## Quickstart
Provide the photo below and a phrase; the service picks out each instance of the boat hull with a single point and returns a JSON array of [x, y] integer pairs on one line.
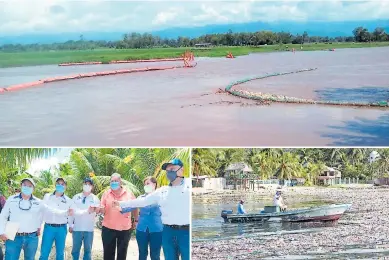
[[325, 213]]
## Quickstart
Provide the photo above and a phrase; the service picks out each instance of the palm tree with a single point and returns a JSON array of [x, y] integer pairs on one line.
[[14, 162], [357, 155], [132, 164], [288, 166], [21, 157], [224, 157], [264, 164], [383, 162], [204, 162]]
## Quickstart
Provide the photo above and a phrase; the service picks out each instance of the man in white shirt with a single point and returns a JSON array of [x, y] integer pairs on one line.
[[174, 202], [25, 210], [56, 221], [278, 201], [82, 224]]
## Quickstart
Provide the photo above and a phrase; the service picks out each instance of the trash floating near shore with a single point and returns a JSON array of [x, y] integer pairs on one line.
[[285, 99]]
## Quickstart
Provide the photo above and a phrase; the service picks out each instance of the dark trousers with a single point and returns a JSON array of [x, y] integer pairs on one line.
[[1, 253], [113, 239]]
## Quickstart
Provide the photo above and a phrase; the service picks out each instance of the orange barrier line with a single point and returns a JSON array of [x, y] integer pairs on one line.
[[117, 62], [85, 75]]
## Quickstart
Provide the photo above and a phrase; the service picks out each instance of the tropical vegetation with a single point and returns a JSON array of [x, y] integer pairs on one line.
[[147, 40], [305, 163], [135, 46], [134, 164]]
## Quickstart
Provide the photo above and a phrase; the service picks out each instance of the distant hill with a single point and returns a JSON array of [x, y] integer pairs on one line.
[[314, 28]]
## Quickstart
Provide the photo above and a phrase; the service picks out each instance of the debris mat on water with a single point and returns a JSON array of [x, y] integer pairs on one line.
[[285, 99], [223, 102]]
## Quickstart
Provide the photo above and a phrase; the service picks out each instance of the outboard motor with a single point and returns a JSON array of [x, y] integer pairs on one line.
[[225, 213]]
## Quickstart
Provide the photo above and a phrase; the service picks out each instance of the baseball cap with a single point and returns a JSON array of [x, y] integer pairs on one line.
[[88, 180], [60, 178], [28, 179], [175, 161]]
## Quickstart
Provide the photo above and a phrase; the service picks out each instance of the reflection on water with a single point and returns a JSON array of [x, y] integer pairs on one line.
[[364, 94], [133, 109], [207, 223], [361, 132]]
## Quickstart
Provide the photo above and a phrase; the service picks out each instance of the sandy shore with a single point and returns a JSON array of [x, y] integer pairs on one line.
[[364, 230]]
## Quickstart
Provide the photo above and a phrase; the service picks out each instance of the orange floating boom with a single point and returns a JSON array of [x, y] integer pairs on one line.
[[86, 75]]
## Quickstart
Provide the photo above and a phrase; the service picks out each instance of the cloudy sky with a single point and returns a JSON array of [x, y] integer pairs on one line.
[[48, 16]]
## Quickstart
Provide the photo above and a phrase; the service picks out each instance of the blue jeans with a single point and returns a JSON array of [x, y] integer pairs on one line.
[[146, 238], [50, 235], [173, 240], [78, 238], [29, 244]]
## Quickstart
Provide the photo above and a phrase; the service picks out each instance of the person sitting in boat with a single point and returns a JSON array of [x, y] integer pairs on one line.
[[278, 201], [241, 209]]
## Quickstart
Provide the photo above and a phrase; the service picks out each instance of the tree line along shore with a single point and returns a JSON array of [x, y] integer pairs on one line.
[[136, 46], [286, 164]]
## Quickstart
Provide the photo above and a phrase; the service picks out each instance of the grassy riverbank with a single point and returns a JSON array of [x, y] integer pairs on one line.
[[105, 55]]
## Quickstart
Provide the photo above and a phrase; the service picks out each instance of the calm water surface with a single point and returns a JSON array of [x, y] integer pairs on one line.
[[172, 107]]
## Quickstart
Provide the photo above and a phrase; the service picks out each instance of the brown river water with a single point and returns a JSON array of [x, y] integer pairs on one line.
[[180, 108]]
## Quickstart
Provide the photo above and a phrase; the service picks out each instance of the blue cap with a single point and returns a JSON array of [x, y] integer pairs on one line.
[[175, 161], [88, 180]]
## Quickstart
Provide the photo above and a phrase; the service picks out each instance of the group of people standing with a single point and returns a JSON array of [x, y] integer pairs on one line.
[[160, 217]]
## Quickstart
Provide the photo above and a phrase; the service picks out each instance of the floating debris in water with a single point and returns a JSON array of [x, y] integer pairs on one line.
[[285, 99]]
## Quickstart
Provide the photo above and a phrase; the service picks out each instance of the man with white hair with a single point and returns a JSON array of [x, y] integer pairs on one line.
[[117, 227]]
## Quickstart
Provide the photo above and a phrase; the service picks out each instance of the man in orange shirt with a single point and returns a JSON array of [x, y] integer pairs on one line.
[[117, 227]]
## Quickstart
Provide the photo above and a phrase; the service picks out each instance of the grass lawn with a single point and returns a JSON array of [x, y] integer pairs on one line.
[[105, 55]]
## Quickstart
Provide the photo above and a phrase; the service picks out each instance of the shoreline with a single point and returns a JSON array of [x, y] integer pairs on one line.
[[364, 228], [104, 56]]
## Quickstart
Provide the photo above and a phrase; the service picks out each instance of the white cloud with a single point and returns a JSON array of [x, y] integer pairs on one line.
[[44, 16], [165, 16]]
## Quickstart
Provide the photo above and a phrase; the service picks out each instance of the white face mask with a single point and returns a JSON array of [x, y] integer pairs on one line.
[[148, 188], [87, 188]]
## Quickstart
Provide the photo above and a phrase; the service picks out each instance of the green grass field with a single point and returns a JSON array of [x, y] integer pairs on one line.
[[105, 55]]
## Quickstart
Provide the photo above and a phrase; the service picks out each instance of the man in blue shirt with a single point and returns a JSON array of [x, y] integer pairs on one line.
[[241, 209]]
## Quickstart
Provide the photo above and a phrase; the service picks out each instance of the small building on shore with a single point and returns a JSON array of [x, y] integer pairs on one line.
[[238, 175], [208, 183], [203, 45], [329, 176]]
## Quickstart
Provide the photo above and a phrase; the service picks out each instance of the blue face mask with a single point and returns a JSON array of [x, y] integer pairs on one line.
[[115, 185], [59, 188], [27, 190], [172, 175]]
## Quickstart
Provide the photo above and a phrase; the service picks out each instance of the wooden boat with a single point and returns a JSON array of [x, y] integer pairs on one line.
[[323, 213]]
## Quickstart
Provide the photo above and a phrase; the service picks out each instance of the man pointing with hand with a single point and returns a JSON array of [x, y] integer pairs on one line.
[[174, 202]]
